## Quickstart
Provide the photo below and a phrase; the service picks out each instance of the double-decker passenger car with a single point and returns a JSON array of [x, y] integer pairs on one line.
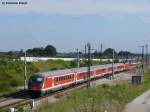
[[46, 82]]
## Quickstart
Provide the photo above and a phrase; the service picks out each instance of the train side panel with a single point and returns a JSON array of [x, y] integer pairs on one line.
[[48, 83], [100, 72]]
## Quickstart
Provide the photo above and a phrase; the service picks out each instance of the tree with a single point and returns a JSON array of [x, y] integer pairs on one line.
[[36, 52], [124, 54], [98, 54], [47, 51], [50, 50], [109, 52]]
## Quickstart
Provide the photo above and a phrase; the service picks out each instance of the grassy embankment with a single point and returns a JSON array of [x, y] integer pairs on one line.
[[12, 72], [99, 99]]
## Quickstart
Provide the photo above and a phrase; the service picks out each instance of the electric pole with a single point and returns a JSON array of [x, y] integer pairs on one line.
[[113, 64], [78, 64], [146, 55], [142, 60], [25, 71], [89, 65], [85, 53], [101, 50]]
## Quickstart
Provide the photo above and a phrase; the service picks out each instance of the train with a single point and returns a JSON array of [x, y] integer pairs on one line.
[[43, 83]]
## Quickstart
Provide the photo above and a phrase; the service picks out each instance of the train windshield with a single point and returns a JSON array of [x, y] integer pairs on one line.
[[36, 80]]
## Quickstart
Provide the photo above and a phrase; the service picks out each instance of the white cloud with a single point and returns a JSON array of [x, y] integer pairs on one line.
[[79, 7]]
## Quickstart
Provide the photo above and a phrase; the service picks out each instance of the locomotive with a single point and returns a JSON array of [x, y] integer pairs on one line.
[[42, 83]]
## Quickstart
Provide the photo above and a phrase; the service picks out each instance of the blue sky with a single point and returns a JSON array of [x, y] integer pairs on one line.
[[70, 24]]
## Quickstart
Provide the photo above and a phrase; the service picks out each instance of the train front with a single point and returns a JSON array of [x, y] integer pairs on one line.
[[35, 84]]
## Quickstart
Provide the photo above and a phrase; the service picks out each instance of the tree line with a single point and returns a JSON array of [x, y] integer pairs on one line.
[[47, 51], [109, 52], [51, 51]]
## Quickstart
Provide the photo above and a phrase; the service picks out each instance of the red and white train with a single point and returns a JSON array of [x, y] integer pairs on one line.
[[46, 82]]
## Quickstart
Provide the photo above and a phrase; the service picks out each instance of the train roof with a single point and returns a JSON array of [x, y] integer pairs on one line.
[[72, 70]]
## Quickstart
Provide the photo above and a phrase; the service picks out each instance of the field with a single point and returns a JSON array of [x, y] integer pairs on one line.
[[12, 72], [102, 98]]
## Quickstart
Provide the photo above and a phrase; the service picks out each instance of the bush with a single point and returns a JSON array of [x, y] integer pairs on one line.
[[12, 74]]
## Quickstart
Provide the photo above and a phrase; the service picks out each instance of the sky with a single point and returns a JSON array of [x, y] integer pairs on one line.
[[70, 24]]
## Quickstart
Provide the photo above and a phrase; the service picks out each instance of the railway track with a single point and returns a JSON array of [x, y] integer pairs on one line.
[[19, 99], [13, 99], [13, 95]]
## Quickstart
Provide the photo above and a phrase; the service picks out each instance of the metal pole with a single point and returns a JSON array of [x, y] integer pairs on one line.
[[85, 51], [113, 65], [25, 71], [101, 50], [85, 55], [146, 55], [89, 65], [143, 59], [122, 58], [78, 64]]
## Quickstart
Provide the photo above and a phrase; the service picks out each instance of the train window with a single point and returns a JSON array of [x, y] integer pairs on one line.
[[39, 79], [36, 80], [120, 67], [110, 68]]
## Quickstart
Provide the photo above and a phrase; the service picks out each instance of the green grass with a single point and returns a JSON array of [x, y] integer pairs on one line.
[[99, 99], [11, 75], [51, 65]]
